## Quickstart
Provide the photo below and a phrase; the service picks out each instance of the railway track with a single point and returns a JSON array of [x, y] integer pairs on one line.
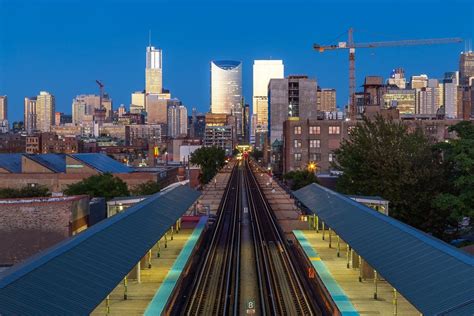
[[215, 291], [281, 291], [277, 287]]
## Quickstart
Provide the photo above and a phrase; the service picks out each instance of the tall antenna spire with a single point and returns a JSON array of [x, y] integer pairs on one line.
[[149, 37]]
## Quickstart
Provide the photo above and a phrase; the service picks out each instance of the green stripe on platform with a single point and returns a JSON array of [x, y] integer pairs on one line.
[[158, 303], [338, 295]]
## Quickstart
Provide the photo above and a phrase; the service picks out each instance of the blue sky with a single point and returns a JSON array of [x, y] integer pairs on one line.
[[63, 46]]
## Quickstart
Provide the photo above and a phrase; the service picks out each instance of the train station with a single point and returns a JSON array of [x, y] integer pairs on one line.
[[316, 252]]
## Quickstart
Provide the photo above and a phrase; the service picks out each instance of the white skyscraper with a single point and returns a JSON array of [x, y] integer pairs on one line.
[[226, 86], [153, 70], [177, 120], [263, 71]]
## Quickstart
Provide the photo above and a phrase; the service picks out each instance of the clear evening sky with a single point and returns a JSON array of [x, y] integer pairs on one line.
[[63, 46]]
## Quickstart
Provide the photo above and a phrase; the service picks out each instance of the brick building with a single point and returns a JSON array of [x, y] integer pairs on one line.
[[309, 140], [30, 225]]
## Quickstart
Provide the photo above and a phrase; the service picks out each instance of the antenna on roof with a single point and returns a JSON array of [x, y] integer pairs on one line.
[[149, 37]]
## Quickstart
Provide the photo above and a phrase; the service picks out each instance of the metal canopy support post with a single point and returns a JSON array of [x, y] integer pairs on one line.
[[107, 305], [360, 268], [172, 230], [125, 288], [395, 302], [149, 259], [317, 224], [375, 284], [330, 240], [338, 246], [347, 255], [166, 240], [159, 248], [323, 230]]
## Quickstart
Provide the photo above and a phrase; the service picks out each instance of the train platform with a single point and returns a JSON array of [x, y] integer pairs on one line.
[[150, 294], [351, 296], [214, 190]]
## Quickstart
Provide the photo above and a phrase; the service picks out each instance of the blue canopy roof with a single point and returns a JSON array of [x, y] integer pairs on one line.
[[103, 163], [73, 277], [11, 162], [54, 162], [435, 277]]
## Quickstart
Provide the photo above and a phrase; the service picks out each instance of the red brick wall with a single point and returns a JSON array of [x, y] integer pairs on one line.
[[33, 225]]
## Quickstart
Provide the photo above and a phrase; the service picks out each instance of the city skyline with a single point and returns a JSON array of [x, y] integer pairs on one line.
[[119, 62]]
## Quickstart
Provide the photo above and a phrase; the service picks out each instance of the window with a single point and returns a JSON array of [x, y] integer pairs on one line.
[[297, 130], [315, 157], [314, 130], [314, 143], [334, 130], [332, 157], [297, 157], [297, 143]]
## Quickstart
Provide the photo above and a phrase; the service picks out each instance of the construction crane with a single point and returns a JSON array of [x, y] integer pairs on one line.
[[351, 46], [101, 90]]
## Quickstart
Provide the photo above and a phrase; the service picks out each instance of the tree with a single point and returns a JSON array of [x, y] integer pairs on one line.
[[103, 185], [24, 192], [147, 188], [210, 160], [300, 178], [382, 157], [458, 159]]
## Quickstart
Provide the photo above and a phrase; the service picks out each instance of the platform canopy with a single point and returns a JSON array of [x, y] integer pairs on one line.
[[435, 277], [73, 277]]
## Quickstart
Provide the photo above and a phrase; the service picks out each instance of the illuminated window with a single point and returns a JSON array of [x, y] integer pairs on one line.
[[297, 143], [314, 130], [315, 157], [332, 157], [314, 143], [333, 130], [297, 130], [297, 157]]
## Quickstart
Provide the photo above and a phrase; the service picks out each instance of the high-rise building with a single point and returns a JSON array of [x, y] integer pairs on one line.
[[45, 109], [226, 86], [138, 102], [83, 107], [402, 99], [153, 70], [418, 82], [121, 111], [326, 100], [263, 71], [157, 109], [295, 96], [450, 83], [3, 108], [198, 125], [466, 68], [397, 78], [29, 115], [177, 120], [428, 98]]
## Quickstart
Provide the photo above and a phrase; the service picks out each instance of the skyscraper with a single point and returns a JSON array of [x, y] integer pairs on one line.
[[450, 83], [226, 87], [3, 108], [45, 109], [263, 71], [418, 82], [466, 68], [177, 120], [83, 107], [30, 114], [153, 70]]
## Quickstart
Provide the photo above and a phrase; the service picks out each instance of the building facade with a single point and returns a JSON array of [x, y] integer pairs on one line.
[[3, 108], [466, 68], [177, 120], [263, 71], [154, 70], [326, 100], [295, 96]]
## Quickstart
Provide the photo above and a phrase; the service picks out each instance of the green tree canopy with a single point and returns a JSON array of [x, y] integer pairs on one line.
[[300, 178], [210, 160], [24, 192], [147, 188], [458, 158], [102, 185], [382, 157]]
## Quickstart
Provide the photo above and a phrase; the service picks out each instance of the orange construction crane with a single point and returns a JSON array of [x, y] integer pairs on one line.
[[351, 46]]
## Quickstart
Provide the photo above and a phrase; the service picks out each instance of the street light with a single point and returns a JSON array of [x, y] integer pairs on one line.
[[312, 166]]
